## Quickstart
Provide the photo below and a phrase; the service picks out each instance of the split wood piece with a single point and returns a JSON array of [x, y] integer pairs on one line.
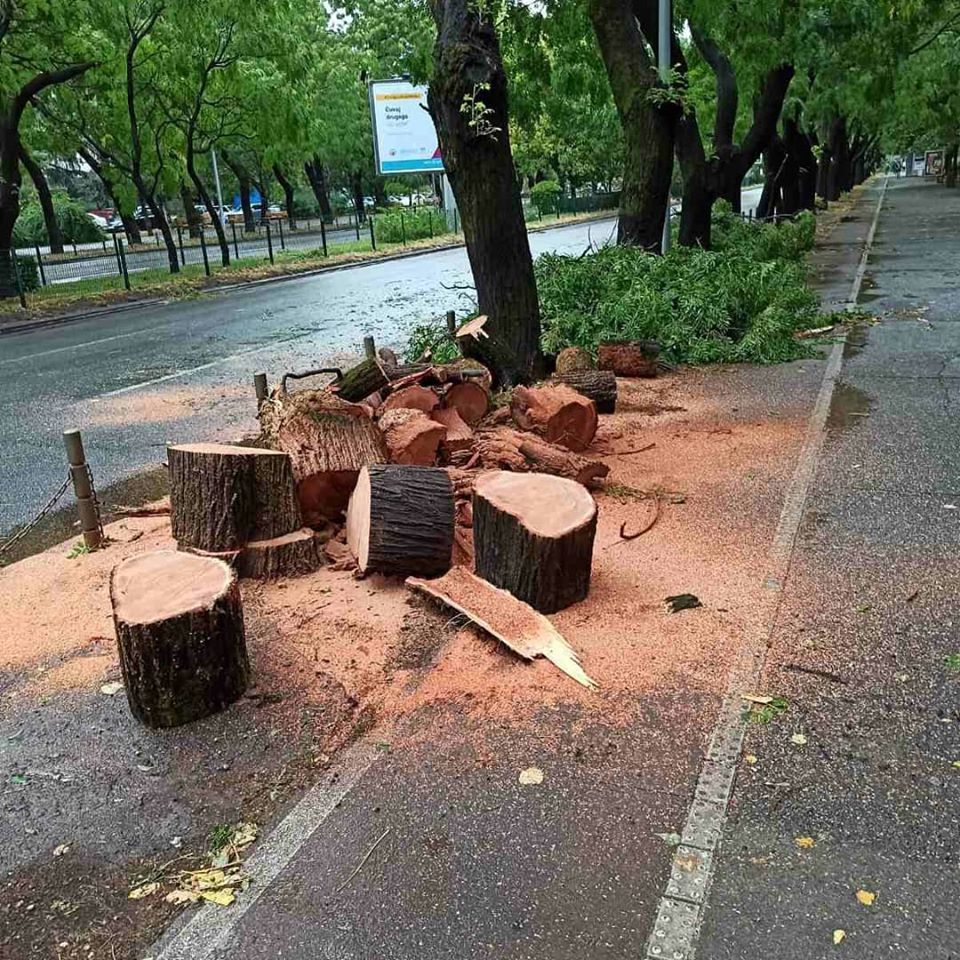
[[413, 397], [360, 381], [629, 358], [462, 482], [179, 623], [573, 360], [458, 435], [401, 520], [473, 328], [600, 386], [466, 368], [221, 496], [291, 555], [533, 536], [508, 449], [507, 619], [328, 441], [556, 412], [412, 437], [470, 399]]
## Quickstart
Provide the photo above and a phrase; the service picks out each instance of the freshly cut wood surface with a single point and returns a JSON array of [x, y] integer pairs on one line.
[[547, 506], [414, 397], [557, 413], [458, 434], [629, 358], [470, 399], [503, 616], [412, 437]]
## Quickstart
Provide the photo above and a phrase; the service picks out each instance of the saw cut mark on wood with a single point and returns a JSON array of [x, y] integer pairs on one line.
[[412, 397], [511, 621]]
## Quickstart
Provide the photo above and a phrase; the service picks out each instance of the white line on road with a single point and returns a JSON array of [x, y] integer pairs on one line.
[[676, 928], [73, 346]]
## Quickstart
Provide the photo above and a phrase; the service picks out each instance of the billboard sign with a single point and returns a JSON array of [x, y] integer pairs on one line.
[[933, 163], [404, 138]]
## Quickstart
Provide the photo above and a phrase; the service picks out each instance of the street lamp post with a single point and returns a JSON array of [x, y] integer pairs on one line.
[[216, 178], [665, 23]]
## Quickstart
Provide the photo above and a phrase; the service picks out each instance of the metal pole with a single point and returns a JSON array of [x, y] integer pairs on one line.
[[663, 63], [269, 243], [123, 263], [283, 246], [216, 177], [43, 278], [116, 250], [403, 230], [373, 238], [260, 385], [236, 249], [451, 322], [369, 348], [83, 488], [323, 236], [203, 250], [356, 222], [183, 258]]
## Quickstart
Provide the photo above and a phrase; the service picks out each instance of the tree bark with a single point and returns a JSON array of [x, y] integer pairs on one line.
[[468, 102], [950, 166], [204, 194], [360, 381], [288, 195], [629, 358], [838, 151], [243, 185], [523, 546], [503, 448], [193, 216], [600, 386], [54, 234], [130, 226], [356, 183], [316, 177], [573, 360], [291, 555], [557, 413], [180, 634]]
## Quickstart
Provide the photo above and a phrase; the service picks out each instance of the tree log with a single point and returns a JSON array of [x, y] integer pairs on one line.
[[470, 399], [179, 624], [557, 413], [401, 520], [413, 397], [600, 386], [503, 448], [533, 535], [328, 441], [360, 381], [629, 358], [574, 359], [221, 496], [291, 555], [458, 436], [412, 437]]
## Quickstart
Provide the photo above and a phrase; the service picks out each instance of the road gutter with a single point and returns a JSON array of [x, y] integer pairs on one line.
[[676, 928]]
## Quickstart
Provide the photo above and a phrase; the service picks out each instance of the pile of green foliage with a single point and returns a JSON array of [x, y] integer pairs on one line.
[[433, 337], [75, 225], [397, 226], [742, 301]]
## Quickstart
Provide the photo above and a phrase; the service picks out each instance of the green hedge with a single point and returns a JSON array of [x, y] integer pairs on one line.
[[75, 225], [399, 225]]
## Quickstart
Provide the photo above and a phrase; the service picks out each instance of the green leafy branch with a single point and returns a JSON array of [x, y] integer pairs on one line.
[[478, 113]]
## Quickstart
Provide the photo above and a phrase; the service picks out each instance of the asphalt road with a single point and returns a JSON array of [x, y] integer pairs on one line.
[[182, 371]]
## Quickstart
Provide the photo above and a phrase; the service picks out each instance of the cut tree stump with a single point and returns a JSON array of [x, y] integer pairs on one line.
[[401, 520], [413, 397], [291, 555], [329, 441], [629, 358], [600, 386], [533, 535], [470, 399], [573, 360], [360, 381], [503, 448], [557, 413], [221, 496], [179, 623], [458, 436], [412, 437]]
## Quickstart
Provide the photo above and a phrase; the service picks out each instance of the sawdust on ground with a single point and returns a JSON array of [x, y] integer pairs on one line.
[[158, 406]]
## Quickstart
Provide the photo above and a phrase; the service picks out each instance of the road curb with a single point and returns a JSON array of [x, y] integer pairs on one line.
[[39, 323]]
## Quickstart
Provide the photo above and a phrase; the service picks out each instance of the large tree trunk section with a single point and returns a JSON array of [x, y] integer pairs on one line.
[[600, 386], [179, 624], [574, 360], [511, 450], [469, 399], [459, 436], [533, 535], [413, 397], [557, 413], [291, 555], [54, 234], [222, 496], [629, 358], [468, 102], [328, 441], [401, 520], [360, 381], [288, 195], [412, 437]]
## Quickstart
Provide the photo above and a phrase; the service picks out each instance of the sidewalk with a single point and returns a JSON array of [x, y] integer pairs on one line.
[[859, 651], [426, 844]]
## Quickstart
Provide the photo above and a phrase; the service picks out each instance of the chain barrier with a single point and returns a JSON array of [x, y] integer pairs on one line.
[[47, 507]]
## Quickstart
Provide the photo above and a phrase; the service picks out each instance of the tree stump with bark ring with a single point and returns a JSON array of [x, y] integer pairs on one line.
[[600, 386], [533, 535], [401, 520], [629, 358], [179, 624]]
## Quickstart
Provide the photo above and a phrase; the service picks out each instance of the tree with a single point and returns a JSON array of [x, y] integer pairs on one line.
[[468, 103]]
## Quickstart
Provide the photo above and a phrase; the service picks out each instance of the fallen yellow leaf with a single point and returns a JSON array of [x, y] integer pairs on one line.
[[756, 698], [750, 758], [799, 739], [839, 936], [804, 843], [956, 763], [222, 898], [182, 896], [144, 890], [866, 897], [531, 776]]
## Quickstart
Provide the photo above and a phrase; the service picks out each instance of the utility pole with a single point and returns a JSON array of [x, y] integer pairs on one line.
[[216, 178], [665, 24]]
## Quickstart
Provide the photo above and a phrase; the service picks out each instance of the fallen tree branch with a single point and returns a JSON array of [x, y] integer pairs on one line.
[[366, 857]]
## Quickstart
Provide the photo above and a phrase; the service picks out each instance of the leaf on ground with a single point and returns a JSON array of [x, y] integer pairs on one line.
[[144, 890], [61, 849], [756, 698], [866, 897], [839, 936], [799, 739], [531, 776], [670, 839], [804, 843], [112, 688], [244, 835], [750, 758], [952, 660], [182, 896], [223, 897], [956, 763]]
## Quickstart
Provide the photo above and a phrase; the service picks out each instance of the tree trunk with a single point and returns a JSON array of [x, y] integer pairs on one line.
[[356, 183], [204, 194], [836, 173], [288, 196], [477, 156], [401, 520], [130, 227], [193, 216], [574, 360], [322, 191], [526, 545], [264, 188], [380, 191], [950, 170], [291, 555], [161, 223], [413, 397], [249, 222], [9, 203], [629, 358], [54, 234], [459, 435], [599, 385], [360, 381], [469, 399], [179, 625]]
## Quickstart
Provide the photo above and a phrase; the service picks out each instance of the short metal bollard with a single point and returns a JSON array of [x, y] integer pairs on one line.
[[369, 348], [87, 506], [451, 322], [260, 386]]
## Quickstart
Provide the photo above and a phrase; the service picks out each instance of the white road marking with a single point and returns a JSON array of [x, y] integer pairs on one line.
[[75, 346], [676, 928]]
